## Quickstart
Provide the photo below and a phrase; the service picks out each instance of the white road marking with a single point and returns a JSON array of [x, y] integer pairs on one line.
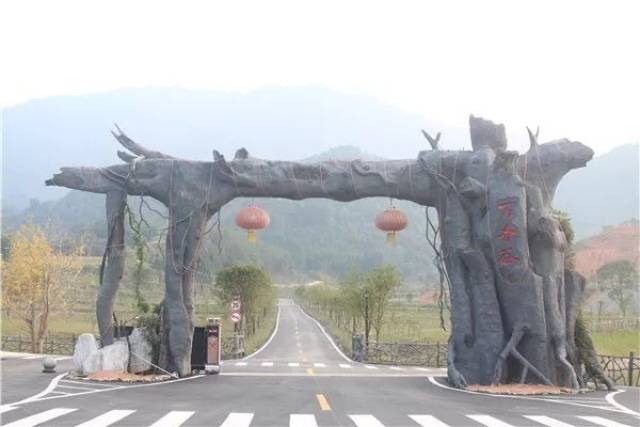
[[41, 417], [107, 418], [370, 367], [423, 369], [57, 359], [428, 421], [603, 421], [344, 366], [266, 364], [6, 408], [366, 421], [238, 419], [396, 368], [62, 385], [87, 383], [173, 419], [35, 356], [241, 364], [488, 421], [302, 420], [547, 421], [319, 365], [610, 398], [273, 334], [293, 364], [344, 356]]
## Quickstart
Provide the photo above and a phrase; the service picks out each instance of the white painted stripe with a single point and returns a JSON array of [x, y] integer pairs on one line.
[[423, 369], [488, 421], [319, 365], [344, 356], [47, 390], [41, 417], [547, 421], [344, 366], [266, 364], [273, 334], [6, 408], [57, 359], [366, 421], [428, 421], [370, 367], [293, 364], [302, 420], [75, 387], [35, 356], [107, 418], [87, 384], [241, 364], [396, 368], [611, 398], [238, 419], [173, 419], [603, 421]]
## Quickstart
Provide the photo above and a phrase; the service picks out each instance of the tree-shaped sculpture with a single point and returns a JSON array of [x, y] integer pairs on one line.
[[513, 304]]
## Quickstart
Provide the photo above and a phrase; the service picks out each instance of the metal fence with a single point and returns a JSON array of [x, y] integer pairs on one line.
[[433, 355], [59, 344], [622, 370]]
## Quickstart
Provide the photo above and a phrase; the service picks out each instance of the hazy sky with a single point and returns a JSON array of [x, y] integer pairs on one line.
[[571, 67]]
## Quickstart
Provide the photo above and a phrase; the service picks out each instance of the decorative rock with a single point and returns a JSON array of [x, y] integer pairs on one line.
[[49, 365], [115, 357], [140, 352], [86, 358]]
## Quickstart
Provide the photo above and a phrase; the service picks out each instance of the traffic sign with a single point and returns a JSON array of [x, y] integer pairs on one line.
[[236, 305], [235, 317]]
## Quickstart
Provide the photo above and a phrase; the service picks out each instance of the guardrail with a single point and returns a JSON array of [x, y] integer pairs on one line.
[[622, 370], [433, 355]]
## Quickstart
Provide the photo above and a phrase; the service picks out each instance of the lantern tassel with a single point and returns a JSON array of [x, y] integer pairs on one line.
[[391, 238], [252, 236]]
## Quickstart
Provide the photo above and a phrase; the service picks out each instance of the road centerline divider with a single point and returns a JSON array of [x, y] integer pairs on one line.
[[323, 402]]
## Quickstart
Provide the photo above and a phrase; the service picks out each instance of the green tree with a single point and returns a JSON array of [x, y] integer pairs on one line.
[[381, 284], [619, 279], [253, 286]]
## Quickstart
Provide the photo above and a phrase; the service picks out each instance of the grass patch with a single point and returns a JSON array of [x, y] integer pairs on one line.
[[618, 343]]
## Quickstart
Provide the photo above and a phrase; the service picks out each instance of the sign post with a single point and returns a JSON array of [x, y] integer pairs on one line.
[[235, 313], [214, 345]]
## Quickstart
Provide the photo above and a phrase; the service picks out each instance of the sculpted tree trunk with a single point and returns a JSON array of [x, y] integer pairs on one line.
[[503, 248]]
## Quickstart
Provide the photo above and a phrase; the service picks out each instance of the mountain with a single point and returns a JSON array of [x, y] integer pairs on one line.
[[274, 123], [606, 192], [615, 243]]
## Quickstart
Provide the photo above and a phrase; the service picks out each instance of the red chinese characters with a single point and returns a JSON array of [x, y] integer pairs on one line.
[[506, 208], [507, 257], [508, 232]]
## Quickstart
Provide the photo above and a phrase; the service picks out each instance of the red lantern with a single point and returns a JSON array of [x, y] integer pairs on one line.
[[252, 218], [391, 221]]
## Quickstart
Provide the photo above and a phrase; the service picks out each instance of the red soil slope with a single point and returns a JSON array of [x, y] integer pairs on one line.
[[613, 244]]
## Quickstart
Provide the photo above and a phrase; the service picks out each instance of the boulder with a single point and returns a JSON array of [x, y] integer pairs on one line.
[[86, 356], [140, 352], [115, 357]]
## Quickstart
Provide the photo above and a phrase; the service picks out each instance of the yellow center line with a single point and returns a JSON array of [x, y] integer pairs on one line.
[[322, 401]]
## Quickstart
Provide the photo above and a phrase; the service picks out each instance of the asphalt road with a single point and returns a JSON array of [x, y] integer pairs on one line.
[[298, 379]]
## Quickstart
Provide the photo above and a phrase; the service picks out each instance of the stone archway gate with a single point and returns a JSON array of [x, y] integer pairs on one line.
[[514, 304]]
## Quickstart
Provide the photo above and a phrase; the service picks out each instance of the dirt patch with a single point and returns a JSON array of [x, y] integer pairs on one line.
[[123, 377], [519, 389]]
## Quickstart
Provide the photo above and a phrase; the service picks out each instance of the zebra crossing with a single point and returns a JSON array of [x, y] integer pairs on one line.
[[247, 419], [323, 365]]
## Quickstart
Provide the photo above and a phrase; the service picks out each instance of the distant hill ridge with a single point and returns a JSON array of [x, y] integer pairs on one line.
[[621, 242]]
